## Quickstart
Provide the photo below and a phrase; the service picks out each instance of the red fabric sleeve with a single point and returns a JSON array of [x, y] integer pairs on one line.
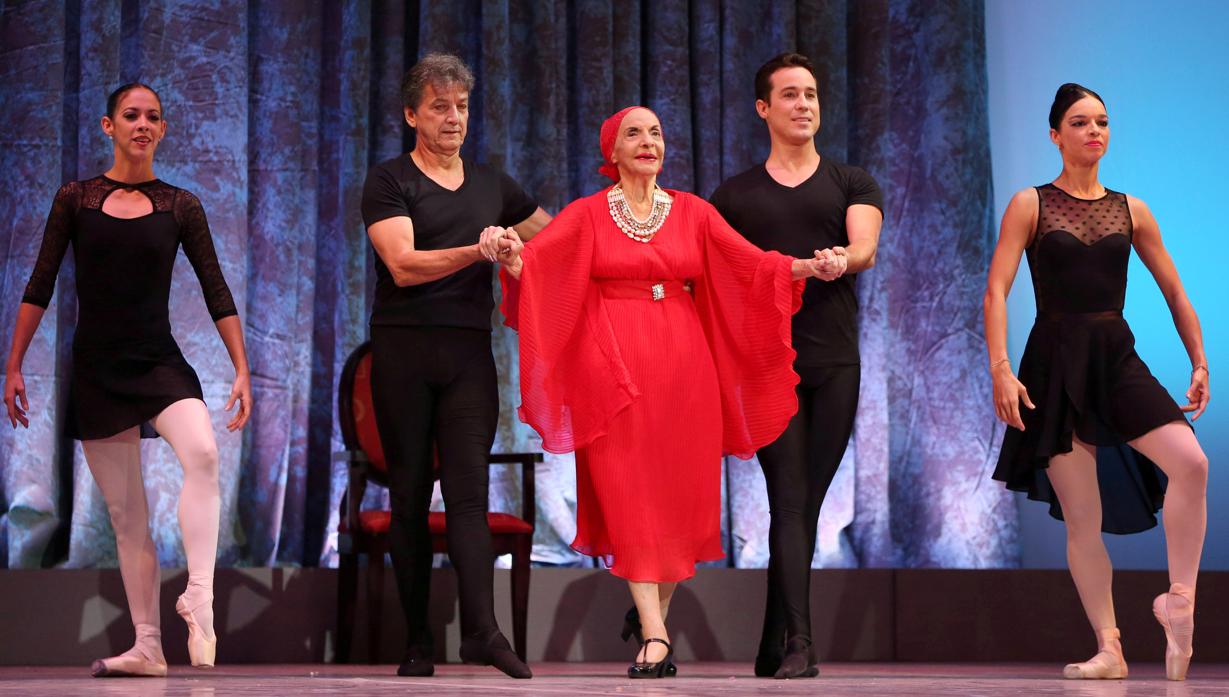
[[746, 298], [573, 379]]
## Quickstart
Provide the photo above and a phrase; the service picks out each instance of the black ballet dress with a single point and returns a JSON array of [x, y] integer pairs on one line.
[[1080, 365], [127, 367]]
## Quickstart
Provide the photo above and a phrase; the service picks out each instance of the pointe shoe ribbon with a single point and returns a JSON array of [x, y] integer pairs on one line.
[[1108, 664], [1175, 611], [202, 646]]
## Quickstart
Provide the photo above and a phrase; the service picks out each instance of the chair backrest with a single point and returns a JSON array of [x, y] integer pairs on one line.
[[357, 410]]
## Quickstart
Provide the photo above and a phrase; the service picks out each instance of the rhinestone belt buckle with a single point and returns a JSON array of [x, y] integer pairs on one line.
[[659, 291]]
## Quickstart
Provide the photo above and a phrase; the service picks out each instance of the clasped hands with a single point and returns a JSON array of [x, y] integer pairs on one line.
[[503, 245], [500, 245], [828, 264]]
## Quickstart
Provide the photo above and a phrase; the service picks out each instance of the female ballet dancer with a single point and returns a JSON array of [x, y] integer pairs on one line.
[[1086, 393], [129, 378]]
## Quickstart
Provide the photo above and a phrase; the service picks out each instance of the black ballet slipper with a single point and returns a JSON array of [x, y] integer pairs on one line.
[[767, 664], [771, 653], [419, 662], [494, 650], [799, 660]]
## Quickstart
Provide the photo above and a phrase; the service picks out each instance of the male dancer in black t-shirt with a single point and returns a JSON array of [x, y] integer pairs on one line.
[[799, 203], [436, 222]]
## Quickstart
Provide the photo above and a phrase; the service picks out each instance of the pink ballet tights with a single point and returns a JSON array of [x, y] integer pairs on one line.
[[115, 463], [1074, 475]]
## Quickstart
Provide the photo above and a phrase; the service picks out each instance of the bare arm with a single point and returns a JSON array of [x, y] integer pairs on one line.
[[1147, 241], [863, 223], [231, 330], [393, 239], [532, 225], [510, 242], [1019, 221], [28, 318]]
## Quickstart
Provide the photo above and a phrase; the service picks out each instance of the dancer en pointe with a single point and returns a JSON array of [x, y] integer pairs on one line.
[[129, 378], [1083, 393]]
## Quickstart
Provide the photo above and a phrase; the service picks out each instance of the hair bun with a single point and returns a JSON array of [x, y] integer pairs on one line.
[[1069, 93]]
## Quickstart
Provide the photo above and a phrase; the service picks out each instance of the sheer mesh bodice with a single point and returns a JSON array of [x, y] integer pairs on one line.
[[1080, 364], [124, 265], [1078, 258]]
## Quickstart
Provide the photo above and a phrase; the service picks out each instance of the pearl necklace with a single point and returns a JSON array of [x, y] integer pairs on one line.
[[639, 230]]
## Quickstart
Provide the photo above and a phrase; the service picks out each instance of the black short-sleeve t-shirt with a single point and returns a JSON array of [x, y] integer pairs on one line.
[[797, 221], [442, 219]]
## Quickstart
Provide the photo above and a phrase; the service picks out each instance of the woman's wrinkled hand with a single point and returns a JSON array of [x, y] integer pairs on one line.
[[488, 242], [833, 262], [509, 248]]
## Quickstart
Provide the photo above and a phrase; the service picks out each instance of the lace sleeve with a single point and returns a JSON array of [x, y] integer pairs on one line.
[[198, 247], [56, 236]]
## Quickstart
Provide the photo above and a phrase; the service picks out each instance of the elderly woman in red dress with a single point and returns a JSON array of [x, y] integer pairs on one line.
[[653, 338]]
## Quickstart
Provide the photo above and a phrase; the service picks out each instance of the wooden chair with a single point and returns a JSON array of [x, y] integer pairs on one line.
[[366, 532]]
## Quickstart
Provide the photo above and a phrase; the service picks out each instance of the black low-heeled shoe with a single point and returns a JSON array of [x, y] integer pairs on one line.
[[799, 660], [652, 670], [631, 628], [419, 662], [494, 650]]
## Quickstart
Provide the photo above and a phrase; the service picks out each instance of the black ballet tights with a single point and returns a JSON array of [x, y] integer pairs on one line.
[[436, 387], [799, 467]]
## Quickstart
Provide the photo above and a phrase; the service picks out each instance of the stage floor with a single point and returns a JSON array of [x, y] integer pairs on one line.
[[708, 679]]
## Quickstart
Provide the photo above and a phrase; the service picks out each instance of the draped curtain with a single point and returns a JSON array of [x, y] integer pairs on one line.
[[276, 109]]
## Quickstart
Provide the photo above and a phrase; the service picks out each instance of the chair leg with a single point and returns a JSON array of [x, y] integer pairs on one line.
[[520, 594], [347, 592], [375, 603]]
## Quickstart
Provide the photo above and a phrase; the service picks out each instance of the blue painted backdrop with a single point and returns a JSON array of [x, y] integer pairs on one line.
[[276, 110], [1159, 67]]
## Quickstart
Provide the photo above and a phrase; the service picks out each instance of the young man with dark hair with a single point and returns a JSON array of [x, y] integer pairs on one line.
[[800, 204]]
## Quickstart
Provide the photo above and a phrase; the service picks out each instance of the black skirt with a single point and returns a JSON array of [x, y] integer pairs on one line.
[[1085, 378], [114, 388]]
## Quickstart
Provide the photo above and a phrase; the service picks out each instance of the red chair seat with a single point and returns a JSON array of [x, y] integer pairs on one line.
[[501, 524], [377, 522]]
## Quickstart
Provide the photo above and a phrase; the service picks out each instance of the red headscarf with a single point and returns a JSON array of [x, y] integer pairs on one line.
[[610, 130]]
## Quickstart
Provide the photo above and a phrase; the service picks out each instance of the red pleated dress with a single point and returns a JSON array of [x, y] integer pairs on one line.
[[649, 392]]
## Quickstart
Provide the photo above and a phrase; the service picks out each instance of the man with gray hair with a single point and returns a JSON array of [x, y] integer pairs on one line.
[[436, 223]]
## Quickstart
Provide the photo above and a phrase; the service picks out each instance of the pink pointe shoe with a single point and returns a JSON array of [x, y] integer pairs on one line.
[[130, 664], [1175, 611], [143, 660], [202, 643], [1108, 664]]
